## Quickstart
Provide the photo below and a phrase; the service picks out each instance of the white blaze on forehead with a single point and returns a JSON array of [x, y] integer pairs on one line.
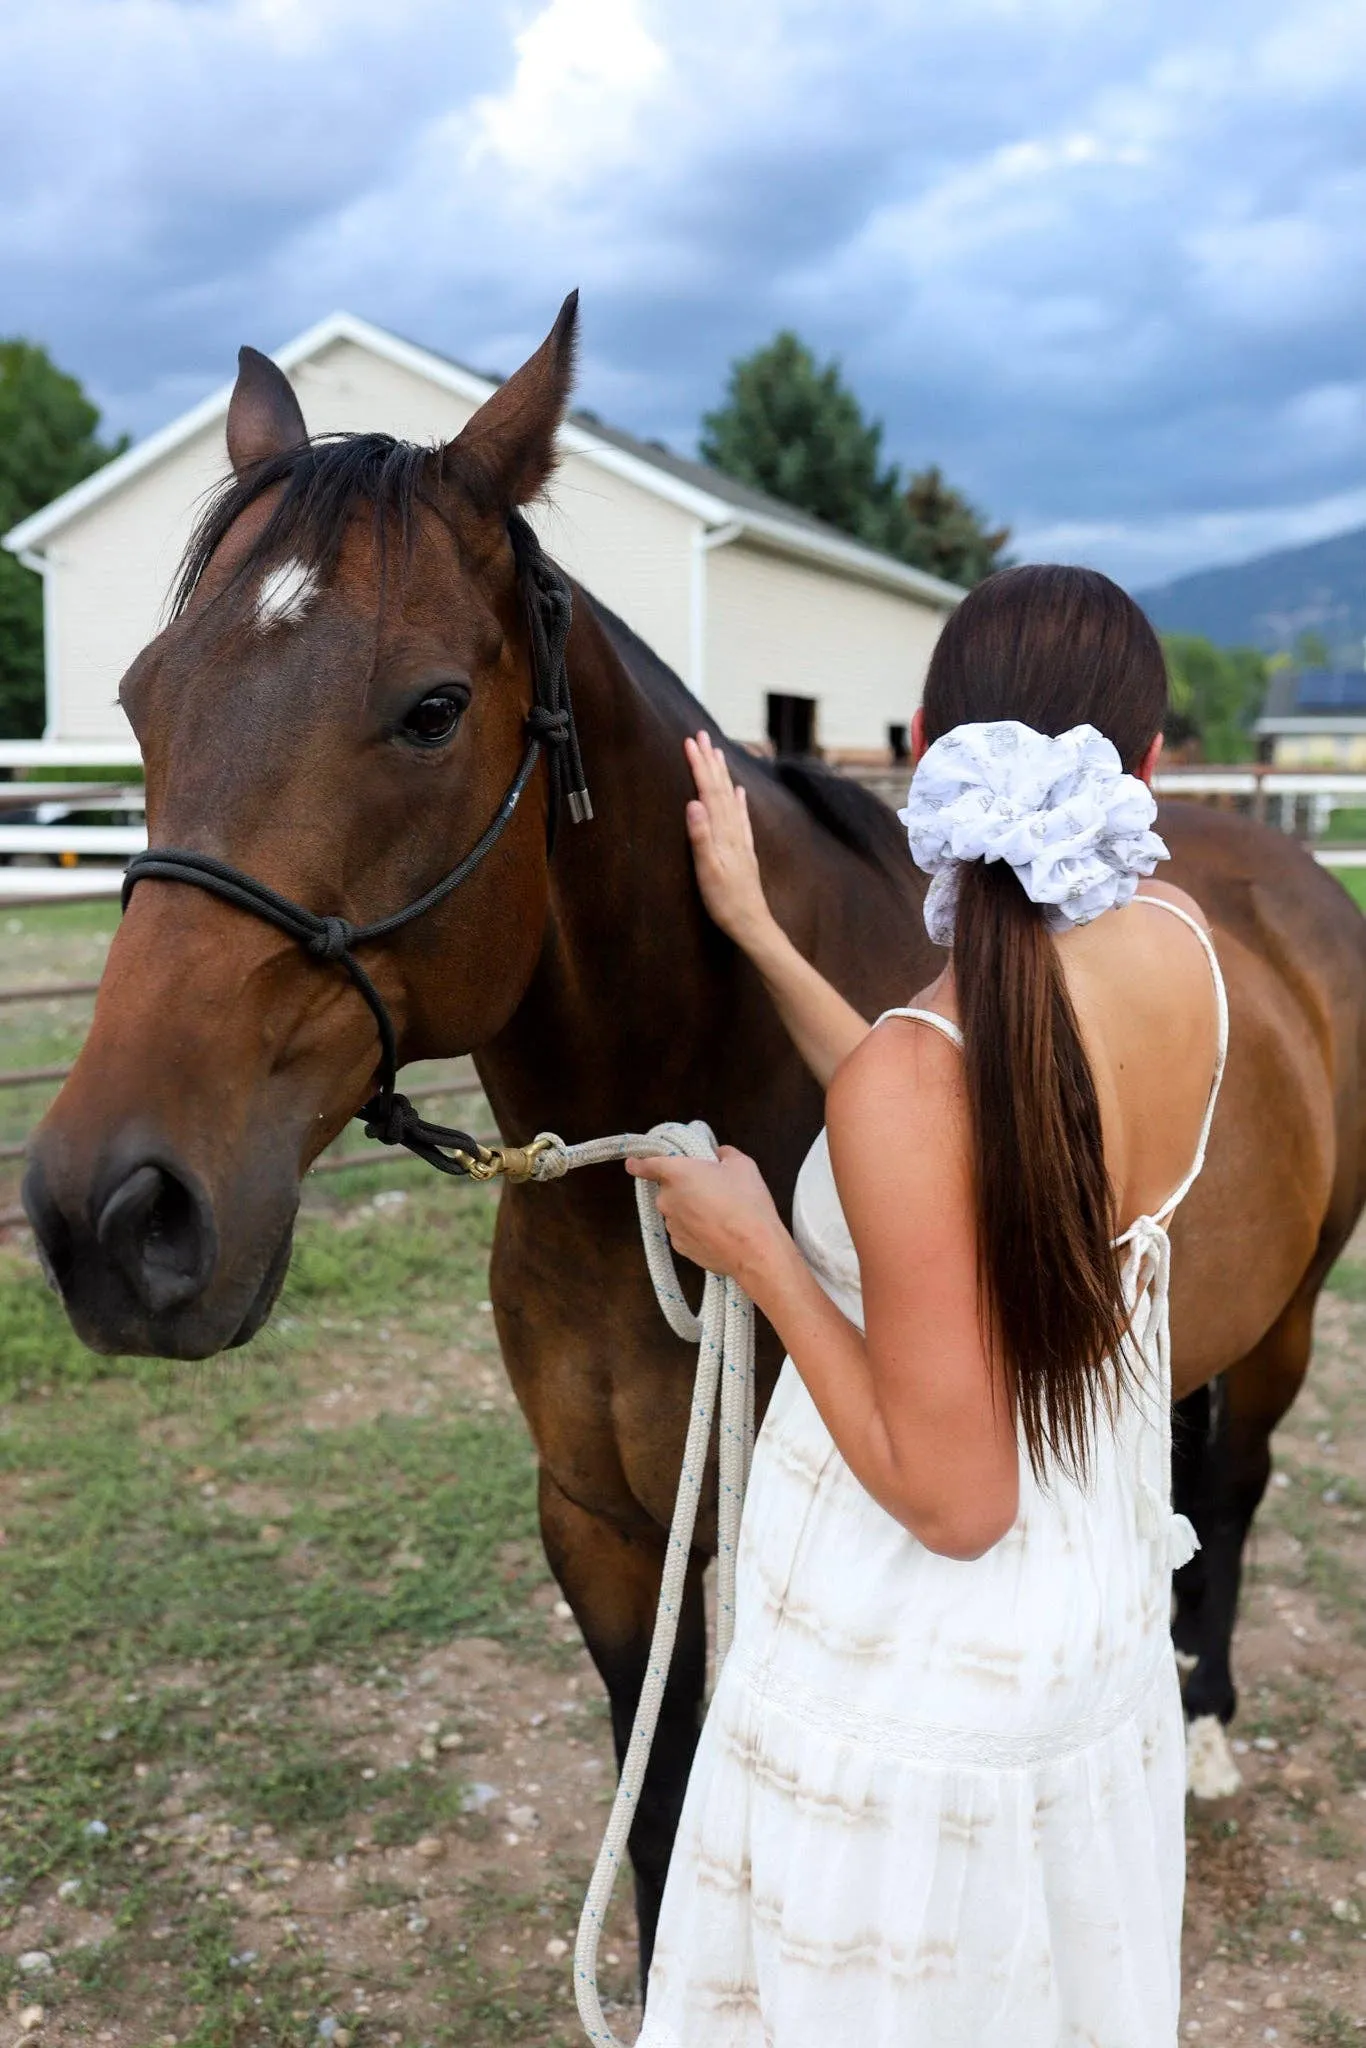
[[286, 592]]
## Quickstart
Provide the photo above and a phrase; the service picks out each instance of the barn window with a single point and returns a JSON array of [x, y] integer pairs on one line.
[[792, 724], [899, 743]]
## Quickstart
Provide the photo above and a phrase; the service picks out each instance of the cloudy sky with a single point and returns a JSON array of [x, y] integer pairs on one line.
[[1105, 264]]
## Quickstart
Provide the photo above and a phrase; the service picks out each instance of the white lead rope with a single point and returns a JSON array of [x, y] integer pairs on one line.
[[723, 1331]]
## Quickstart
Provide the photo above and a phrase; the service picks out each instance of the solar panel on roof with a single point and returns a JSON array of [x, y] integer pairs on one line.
[[1325, 690]]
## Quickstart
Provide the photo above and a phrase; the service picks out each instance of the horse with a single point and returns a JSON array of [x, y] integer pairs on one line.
[[337, 708]]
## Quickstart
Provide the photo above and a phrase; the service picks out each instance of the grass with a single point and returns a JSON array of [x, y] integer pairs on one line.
[[1353, 881], [1348, 1278], [59, 942], [394, 1530], [182, 1552], [46, 926], [412, 1258], [1347, 826], [197, 1563]]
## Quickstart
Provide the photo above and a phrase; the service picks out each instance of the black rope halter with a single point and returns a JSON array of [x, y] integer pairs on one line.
[[389, 1116]]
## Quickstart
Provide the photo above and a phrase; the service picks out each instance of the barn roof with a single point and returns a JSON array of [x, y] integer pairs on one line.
[[718, 501], [1314, 700]]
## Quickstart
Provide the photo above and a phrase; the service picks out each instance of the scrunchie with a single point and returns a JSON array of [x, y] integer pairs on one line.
[[1061, 812]]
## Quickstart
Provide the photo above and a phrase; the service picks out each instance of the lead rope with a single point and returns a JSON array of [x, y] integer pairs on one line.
[[723, 1331]]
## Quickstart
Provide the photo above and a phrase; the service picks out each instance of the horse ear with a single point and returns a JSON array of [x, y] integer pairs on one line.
[[263, 413], [507, 451]]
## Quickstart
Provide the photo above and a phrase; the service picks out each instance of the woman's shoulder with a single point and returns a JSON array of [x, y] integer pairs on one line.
[[1155, 891], [904, 1073], [1138, 968]]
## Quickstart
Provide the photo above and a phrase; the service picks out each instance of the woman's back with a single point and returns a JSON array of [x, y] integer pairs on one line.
[[1009, 1600], [1140, 987]]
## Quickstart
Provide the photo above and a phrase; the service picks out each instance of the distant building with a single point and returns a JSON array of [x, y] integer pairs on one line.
[[792, 635], [1314, 718]]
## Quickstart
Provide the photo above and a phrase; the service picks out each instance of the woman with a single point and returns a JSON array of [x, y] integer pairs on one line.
[[938, 1801]]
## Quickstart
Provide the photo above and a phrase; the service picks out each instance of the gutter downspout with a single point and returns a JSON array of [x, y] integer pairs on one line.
[[704, 540]]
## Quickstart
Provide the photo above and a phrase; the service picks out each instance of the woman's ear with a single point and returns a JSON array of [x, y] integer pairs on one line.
[[917, 735], [1147, 767]]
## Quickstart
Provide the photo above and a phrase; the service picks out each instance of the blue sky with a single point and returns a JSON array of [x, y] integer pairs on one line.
[[1106, 265]]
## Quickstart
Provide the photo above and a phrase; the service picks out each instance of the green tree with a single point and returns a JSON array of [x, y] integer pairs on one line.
[[792, 427], [947, 534], [1217, 692], [47, 443]]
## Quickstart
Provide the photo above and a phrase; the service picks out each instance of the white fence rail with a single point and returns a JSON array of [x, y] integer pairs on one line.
[[69, 754], [60, 859], [58, 838]]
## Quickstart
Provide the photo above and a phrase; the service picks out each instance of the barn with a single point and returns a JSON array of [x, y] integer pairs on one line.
[[787, 631]]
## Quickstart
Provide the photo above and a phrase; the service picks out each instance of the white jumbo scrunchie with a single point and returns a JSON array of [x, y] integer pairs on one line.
[[1060, 811]]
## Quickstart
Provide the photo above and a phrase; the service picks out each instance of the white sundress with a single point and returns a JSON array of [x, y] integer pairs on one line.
[[940, 1804]]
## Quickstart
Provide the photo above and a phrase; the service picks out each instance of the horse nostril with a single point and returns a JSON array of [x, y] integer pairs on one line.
[[161, 1234]]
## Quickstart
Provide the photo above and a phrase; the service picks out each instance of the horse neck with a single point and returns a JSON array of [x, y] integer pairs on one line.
[[628, 967]]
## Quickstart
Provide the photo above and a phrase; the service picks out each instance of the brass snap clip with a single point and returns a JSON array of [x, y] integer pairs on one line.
[[514, 1163]]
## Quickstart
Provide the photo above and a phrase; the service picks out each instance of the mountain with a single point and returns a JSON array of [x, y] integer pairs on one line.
[[1267, 602]]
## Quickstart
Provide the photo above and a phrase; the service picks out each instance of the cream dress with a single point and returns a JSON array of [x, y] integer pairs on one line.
[[940, 1804]]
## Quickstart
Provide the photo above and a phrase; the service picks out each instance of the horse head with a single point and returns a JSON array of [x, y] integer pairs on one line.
[[336, 710]]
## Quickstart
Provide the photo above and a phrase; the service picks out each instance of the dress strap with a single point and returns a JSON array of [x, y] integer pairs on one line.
[[1221, 1056], [944, 1024]]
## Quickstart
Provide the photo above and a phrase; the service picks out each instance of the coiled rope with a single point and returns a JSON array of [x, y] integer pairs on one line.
[[723, 1331]]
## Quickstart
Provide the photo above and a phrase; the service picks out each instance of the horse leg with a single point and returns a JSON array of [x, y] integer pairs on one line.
[[611, 1578], [1206, 1590], [1246, 1406], [1192, 1422]]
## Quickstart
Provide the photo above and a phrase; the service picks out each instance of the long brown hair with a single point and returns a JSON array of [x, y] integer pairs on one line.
[[1053, 647]]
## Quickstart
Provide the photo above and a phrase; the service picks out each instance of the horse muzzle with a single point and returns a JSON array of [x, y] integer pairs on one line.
[[131, 1243]]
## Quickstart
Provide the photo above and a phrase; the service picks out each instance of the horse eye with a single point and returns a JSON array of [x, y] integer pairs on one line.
[[432, 719]]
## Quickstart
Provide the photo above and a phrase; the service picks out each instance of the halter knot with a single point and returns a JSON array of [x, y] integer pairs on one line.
[[331, 941], [391, 1121], [550, 727]]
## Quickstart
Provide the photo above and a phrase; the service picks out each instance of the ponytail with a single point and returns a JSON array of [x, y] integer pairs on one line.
[[1053, 647], [1050, 1290]]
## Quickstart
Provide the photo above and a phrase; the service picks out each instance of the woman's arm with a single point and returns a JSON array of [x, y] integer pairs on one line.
[[914, 1405], [822, 1026]]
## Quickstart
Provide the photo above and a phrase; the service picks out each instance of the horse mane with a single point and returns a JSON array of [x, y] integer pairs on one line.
[[324, 481], [848, 811], [844, 808]]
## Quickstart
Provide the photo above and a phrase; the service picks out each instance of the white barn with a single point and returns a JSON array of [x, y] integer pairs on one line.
[[782, 627]]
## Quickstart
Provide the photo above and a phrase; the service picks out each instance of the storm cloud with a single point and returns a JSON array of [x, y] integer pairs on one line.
[[1104, 265]]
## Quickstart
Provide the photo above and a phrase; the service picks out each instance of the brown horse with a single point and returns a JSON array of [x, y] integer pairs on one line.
[[338, 708]]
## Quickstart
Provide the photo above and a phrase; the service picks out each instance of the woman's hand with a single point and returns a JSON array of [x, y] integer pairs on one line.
[[718, 1212], [723, 845]]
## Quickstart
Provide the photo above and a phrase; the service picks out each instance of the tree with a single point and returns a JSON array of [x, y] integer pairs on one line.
[[947, 534], [47, 443], [793, 428], [1216, 692]]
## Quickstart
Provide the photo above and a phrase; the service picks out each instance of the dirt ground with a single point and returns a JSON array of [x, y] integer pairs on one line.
[[1275, 1944], [444, 1911]]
